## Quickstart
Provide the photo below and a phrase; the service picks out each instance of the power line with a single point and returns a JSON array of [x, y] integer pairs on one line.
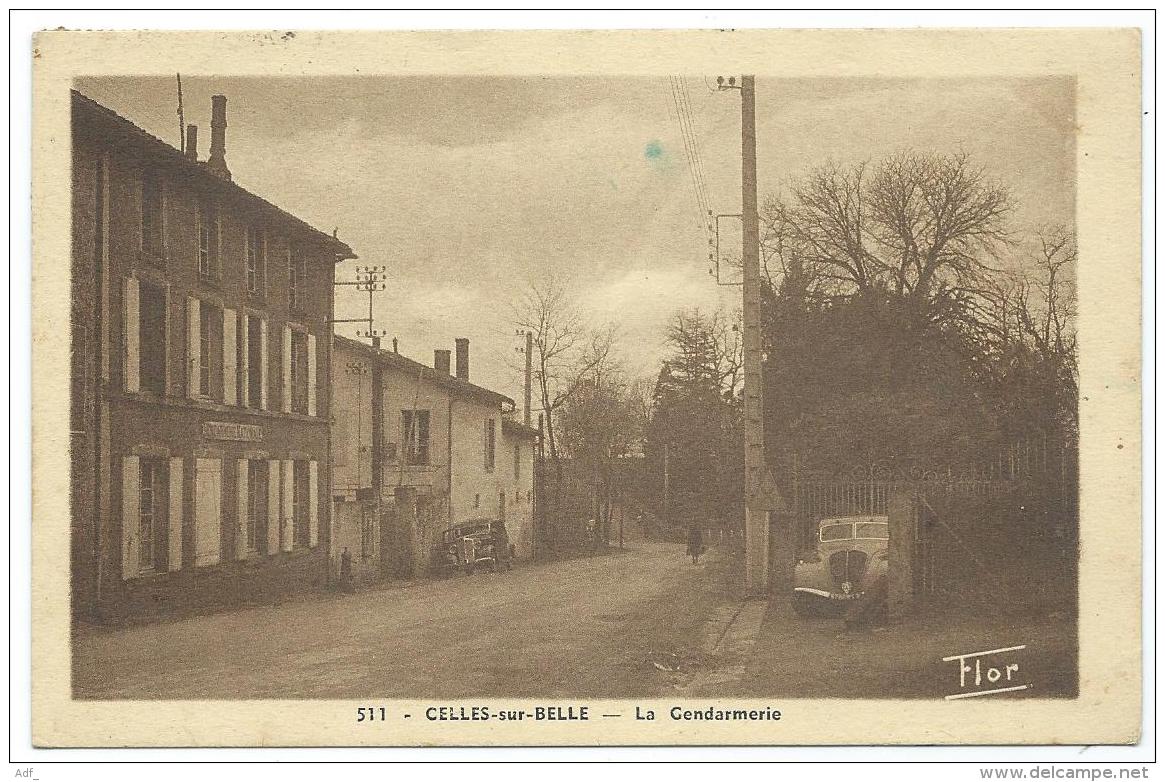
[[701, 211], [688, 155], [689, 146], [700, 176]]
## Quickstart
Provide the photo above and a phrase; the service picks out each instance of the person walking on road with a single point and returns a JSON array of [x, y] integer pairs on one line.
[[695, 544]]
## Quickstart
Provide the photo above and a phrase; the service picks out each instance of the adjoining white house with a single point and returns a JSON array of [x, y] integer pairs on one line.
[[407, 433]]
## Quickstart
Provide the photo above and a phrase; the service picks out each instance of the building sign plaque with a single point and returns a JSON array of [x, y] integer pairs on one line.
[[225, 430]]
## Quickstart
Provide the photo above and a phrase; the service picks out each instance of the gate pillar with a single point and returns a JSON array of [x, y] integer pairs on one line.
[[903, 512]]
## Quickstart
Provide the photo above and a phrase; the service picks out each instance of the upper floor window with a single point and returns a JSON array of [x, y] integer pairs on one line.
[[152, 338], [490, 443], [252, 342], [256, 247], [152, 215], [210, 351], [299, 373], [296, 280], [208, 266], [415, 424]]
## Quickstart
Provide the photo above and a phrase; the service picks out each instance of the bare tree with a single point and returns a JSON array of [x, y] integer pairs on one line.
[[566, 350], [919, 227]]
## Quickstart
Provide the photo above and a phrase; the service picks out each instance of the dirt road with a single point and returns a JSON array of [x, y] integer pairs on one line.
[[587, 627]]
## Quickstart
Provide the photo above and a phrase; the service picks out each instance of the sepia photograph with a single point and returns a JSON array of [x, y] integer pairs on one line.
[[675, 396]]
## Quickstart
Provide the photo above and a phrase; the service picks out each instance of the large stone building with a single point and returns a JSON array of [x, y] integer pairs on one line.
[[406, 432], [200, 389]]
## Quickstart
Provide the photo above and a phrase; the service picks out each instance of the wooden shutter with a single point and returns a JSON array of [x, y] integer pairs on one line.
[[263, 405], [133, 332], [244, 360], [176, 515], [273, 514], [243, 494], [313, 474], [207, 511], [130, 514], [285, 398], [193, 345], [311, 374], [229, 379], [288, 481]]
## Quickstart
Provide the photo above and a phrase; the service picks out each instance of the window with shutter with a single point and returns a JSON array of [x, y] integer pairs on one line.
[[152, 222], [209, 267], [257, 498], [151, 512], [130, 497], [175, 515], [490, 443], [132, 334], [193, 347], [415, 436], [152, 338], [207, 511], [285, 398], [273, 508], [256, 262], [210, 351], [310, 352]]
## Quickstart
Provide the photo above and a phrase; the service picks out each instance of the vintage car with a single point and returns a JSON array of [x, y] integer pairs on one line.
[[849, 556], [472, 544]]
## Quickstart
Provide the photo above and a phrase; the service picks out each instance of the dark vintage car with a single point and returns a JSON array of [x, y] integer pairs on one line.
[[472, 544], [849, 556]]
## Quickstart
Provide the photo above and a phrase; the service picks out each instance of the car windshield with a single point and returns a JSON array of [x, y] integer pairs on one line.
[[879, 530], [837, 532]]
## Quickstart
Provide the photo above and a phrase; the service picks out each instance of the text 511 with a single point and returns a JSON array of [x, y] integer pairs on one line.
[[371, 713]]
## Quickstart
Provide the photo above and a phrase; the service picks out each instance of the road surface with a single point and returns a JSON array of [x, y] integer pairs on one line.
[[591, 627]]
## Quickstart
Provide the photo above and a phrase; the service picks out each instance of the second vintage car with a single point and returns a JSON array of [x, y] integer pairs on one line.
[[849, 557], [472, 544]]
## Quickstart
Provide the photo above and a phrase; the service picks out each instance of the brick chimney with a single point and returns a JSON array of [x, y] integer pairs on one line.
[[441, 361], [462, 358], [192, 143], [217, 162]]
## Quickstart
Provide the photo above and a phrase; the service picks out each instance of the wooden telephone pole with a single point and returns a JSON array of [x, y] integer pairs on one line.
[[756, 516]]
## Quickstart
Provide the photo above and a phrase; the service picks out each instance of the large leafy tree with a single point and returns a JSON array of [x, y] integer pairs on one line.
[[904, 321], [696, 421]]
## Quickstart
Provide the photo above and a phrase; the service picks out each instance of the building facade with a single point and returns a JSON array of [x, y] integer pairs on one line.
[[201, 342], [453, 446]]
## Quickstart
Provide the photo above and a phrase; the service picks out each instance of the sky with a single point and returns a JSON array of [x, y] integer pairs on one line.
[[469, 189]]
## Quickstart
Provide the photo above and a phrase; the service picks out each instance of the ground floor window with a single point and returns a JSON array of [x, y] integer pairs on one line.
[[299, 505], [256, 502], [151, 511]]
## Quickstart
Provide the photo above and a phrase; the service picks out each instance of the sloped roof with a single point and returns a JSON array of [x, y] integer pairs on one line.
[[517, 427], [93, 111], [427, 373]]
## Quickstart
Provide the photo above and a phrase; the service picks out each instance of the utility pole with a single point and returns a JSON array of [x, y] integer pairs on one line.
[[370, 279], [529, 375], [756, 517]]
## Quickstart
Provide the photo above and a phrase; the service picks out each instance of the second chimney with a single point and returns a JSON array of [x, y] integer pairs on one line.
[[441, 361], [192, 142], [217, 162], [462, 358]]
